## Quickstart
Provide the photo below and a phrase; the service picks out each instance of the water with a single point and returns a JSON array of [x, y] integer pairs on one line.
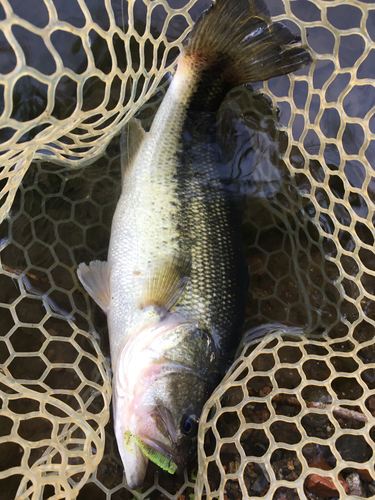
[[307, 230]]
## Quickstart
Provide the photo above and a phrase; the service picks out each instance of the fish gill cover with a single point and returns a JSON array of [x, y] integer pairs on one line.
[[296, 419]]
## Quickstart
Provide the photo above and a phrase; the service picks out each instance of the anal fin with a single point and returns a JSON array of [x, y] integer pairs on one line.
[[95, 280]]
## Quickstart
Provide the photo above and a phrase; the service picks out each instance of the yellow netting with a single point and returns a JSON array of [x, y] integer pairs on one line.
[[292, 415], [71, 75], [309, 239]]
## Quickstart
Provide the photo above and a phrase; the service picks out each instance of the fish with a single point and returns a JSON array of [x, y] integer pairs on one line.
[[175, 283]]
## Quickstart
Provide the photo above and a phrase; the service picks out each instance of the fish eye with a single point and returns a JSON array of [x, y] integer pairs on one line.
[[190, 425]]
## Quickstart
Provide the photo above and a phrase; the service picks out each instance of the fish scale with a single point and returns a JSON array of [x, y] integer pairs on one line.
[[175, 284]]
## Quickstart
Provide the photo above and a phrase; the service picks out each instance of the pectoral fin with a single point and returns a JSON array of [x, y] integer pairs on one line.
[[165, 281], [95, 280]]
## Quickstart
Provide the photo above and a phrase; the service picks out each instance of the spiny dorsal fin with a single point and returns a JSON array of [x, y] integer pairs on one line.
[[132, 137], [165, 281], [226, 133], [95, 280]]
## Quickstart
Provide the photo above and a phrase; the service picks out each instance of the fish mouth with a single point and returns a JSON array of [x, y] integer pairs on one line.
[[152, 450], [158, 443], [163, 455]]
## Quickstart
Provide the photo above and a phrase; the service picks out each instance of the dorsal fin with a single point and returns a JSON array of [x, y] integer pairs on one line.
[[132, 137], [165, 281]]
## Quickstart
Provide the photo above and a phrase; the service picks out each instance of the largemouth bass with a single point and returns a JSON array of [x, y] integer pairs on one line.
[[174, 287]]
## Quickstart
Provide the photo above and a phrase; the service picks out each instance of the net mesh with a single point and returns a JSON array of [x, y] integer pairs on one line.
[[72, 73], [294, 417]]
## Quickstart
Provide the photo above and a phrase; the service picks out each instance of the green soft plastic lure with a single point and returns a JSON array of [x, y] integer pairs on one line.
[[155, 456]]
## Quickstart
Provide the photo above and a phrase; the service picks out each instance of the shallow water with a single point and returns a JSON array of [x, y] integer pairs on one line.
[[61, 218]]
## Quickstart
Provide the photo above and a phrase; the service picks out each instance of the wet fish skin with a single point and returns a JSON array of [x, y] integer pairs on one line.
[[174, 287]]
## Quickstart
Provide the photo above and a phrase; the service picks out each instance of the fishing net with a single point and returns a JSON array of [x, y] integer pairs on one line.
[[73, 72], [294, 417]]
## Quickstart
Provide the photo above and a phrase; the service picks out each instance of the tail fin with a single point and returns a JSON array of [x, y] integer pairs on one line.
[[239, 37]]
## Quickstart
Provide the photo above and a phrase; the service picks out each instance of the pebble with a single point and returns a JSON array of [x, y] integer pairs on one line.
[[355, 485]]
